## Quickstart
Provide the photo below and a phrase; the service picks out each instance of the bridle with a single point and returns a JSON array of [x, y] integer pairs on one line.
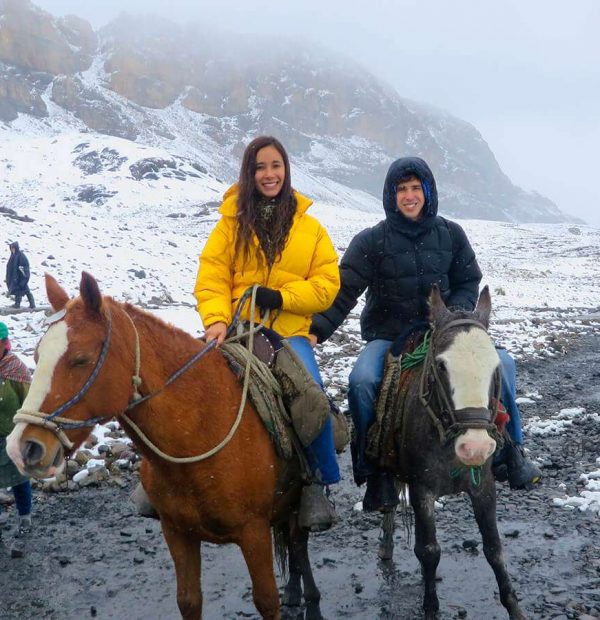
[[434, 396], [55, 423]]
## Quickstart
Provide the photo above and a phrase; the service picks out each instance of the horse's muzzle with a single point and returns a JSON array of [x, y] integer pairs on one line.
[[38, 461], [474, 447]]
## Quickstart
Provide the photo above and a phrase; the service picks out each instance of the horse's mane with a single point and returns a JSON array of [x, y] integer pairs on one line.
[[178, 337]]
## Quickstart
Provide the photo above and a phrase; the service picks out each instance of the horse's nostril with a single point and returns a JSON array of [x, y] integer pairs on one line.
[[32, 453]]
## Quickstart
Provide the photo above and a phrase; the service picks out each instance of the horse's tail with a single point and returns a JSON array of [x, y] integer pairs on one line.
[[281, 537]]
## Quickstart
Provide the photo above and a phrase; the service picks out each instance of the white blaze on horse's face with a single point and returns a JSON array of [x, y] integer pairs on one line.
[[52, 347], [471, 361]]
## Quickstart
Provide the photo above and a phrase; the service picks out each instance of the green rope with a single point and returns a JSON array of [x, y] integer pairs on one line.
[[475, 473], [410, 360]]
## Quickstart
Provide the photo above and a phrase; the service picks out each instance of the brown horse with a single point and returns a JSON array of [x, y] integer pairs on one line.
[[446, 437], [93, 349]]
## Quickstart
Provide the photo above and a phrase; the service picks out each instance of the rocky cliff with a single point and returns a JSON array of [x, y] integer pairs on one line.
[[189, 90]]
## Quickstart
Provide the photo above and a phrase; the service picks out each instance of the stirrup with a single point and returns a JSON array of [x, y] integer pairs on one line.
[[316, 513], [381, 494]]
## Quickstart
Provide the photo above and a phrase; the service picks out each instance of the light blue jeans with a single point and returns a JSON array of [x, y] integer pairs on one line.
[[321, 452], [366, 376]]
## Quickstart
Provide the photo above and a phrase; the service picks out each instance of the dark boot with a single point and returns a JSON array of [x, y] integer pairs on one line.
[[522, 473], [30, 300], [22, 536], [316, 513], [142, 502], [381, 494], [511, 464]]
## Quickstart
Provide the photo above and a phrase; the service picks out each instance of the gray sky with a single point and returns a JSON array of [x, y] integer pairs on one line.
[[526, 73]]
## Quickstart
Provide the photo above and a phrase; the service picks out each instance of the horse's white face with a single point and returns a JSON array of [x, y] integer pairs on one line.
[[51, 348], [471, 361]]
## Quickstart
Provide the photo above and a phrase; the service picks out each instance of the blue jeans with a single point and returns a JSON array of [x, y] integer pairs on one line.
[[509, 394], [366, 376], [321, 452], [22, 493], [364, 382]]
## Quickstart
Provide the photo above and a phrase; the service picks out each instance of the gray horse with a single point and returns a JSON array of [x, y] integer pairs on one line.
[[444, 437]]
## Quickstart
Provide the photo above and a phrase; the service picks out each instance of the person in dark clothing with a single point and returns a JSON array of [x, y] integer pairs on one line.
[[397, 262], [17, 276]]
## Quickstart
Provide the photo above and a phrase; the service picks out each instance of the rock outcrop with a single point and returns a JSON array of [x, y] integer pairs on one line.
[[146, 79]]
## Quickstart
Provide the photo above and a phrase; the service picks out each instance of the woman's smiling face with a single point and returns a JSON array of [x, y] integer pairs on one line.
[[270, 172]]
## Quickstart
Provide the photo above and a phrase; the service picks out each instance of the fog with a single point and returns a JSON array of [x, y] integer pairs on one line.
[[526, 74]]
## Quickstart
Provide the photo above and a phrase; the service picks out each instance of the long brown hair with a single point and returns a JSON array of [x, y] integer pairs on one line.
[[249, 198]]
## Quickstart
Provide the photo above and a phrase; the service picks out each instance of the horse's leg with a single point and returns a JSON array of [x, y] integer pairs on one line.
[[312, 596], [185, 552], [427, 549], [484, 507], [292, 593], [386, 542], [257, 547]]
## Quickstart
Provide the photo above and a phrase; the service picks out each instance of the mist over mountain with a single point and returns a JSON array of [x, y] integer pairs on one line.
[[199, 96]]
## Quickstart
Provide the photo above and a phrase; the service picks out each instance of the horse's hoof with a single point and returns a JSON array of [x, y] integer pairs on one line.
[[313, 612], [291, 613]]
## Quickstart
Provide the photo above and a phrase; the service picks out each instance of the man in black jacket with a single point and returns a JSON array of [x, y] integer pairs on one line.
[[397, 262], [17, 276]]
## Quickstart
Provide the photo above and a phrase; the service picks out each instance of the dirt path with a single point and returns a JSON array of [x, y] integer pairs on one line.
[[92, 557]]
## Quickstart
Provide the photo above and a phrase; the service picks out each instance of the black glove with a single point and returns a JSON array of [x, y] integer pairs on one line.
[[268, 298]]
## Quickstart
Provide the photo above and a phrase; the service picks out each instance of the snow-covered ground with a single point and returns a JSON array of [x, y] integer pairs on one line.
[[142, 245]]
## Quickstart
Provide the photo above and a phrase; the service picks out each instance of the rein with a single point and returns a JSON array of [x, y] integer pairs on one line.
[[431, 387], [56, 424]]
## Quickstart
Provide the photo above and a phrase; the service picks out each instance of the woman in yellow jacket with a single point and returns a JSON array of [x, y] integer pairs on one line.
[[266, 237]]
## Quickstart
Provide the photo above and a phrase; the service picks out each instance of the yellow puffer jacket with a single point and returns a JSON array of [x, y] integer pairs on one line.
[[306, 275]]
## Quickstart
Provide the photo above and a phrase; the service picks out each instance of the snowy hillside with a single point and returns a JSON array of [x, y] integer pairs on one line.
[[137, 217], [147, 80]]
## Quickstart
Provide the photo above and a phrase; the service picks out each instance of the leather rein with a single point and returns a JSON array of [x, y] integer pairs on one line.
[[55, 423]]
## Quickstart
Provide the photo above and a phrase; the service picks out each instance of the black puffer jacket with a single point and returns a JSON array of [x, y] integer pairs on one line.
[[398, 261], [17, 272]]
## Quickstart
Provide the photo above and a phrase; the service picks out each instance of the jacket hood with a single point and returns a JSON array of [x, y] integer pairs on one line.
[[229, 206], [401, 168], [14, 244]]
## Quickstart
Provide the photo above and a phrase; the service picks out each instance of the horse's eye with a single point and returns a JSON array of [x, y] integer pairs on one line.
[[79, 361], [441, 365]]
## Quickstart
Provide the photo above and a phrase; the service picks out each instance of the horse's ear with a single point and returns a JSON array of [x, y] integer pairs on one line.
[[90, 293], [484, 306], [57, 296], [437, 307]]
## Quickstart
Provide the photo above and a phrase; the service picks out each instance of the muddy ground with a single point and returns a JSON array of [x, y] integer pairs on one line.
[[91, 556]]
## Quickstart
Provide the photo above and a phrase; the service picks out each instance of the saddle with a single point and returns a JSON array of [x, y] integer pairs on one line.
[[389, 414], [288, 400]]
